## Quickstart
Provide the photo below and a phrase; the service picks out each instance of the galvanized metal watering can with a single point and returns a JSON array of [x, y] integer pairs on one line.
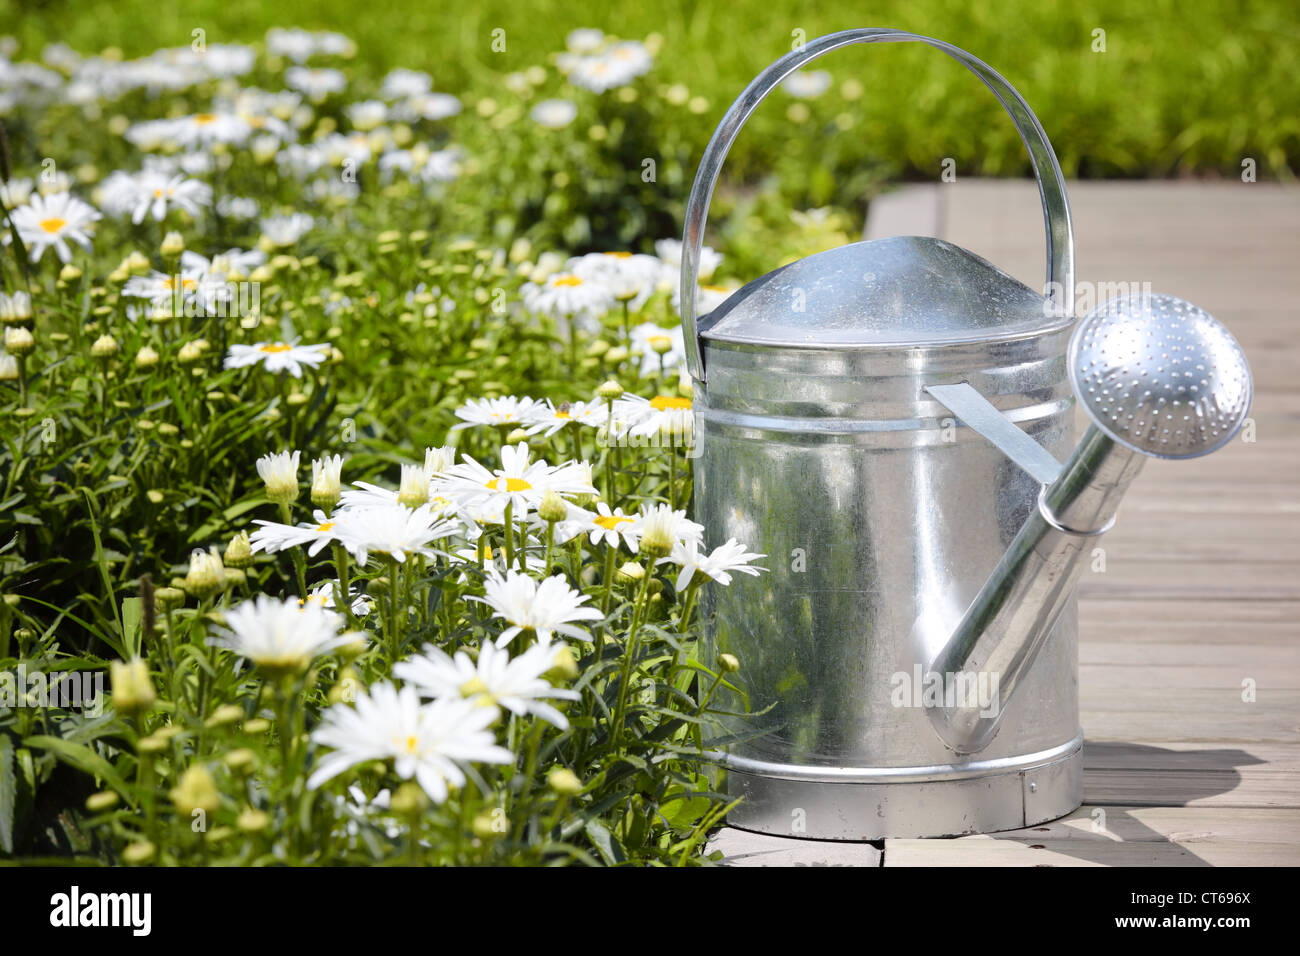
[[887, 420]]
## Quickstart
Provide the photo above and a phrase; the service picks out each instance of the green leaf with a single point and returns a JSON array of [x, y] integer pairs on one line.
[[8, 793], [132, 609], [604, 842], [79, 756]]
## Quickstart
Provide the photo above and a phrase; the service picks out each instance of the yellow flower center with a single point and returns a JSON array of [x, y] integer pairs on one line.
[[620, 255], [53, 224], [157, 194], [507, 484], [662, 403], [473, 687], [659, 339], [203, 119], [610, 522], [562, 413], [411, 744], [568, 281], [325, 526], [274, 347]]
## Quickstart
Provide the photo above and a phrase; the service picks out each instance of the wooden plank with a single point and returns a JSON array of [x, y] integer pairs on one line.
[[1123, 836], [743, 848], [1188, 714], [1201, 773]]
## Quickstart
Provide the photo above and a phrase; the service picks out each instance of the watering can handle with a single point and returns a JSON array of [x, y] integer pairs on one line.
[[1051, 182]]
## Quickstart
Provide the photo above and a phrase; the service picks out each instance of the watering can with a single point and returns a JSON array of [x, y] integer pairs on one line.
[[887, 421]]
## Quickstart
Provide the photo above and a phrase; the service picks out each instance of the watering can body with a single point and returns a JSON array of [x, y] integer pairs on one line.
[[882, 514]]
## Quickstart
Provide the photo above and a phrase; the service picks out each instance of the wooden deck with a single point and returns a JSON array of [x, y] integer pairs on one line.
[[1200, 600]]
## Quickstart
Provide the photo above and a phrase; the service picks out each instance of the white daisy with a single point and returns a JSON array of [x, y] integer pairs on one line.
[[716, 566], [546, 609], [554, 114], [670, 252], [155, 191], [563, 295], [507, 410], [613, 527], [281, 636], [650, 418], [807, 84], [630, 277], [286, 230], [392, 530], [316, 83], [50, 221], [203, 130], [516, 683], [278, 356], [549, 418], [518, 481], [402, 83], [272, 536], [323, 595], [648, 338], [431, 742]]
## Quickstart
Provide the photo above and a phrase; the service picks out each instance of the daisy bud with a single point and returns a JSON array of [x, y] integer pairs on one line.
[[155, 496], [630, 572], [261, 274], [489, 824], [169, 598], [610, 391], [19, 341], [516, 436], [729, 663], [616, 355], [326, 481], [196, 791], [661, 344], [146, 357], [409, 800], [598, 348], [257, 726], [280, 472], [565, 667], [207, 575], [296, 398], [552, 507], [137, 263], [8, 368], [69, 273], [101, 801], [564, 781], [15, 308], [253, 821], [414, 488], [336, 356], [657, 536], [240, 760], [225, 715], [190, 353], [132, 689], [104, 347], [168, 430], [139, 851], [173, 245], [239, 553]]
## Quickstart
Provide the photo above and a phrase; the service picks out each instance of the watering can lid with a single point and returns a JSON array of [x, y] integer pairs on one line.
[[903, 291]]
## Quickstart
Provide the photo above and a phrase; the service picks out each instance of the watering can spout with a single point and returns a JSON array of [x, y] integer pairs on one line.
[[1158, 377]]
